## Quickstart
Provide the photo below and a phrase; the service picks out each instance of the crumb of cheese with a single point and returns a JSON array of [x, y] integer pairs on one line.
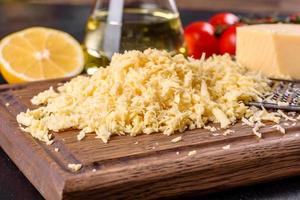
[[255, 121], [74, 167], [210, 128], [80, 136], [287, 118], [279, 128], [191, 153], [147, 92], [50, 142], [56, 149], [228, 131], [256, 128], [177, 139], [226, 147], [247, 122]]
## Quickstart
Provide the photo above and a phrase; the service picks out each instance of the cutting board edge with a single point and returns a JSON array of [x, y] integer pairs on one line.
[[246, 168], [68, 188]]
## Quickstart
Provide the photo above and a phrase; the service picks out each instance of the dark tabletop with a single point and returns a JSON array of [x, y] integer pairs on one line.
[[13, 185]]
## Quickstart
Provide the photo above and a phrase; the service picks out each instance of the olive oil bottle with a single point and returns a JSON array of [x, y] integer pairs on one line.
[[140, 29]]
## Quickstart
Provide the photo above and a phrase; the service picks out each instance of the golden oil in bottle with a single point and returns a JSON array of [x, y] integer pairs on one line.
[[140, 29]]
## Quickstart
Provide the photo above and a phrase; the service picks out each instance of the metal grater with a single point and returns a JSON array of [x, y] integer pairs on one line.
[[284, 92]]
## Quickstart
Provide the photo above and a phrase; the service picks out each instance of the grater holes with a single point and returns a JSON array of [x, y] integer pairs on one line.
[[285, 95], [275, 96], [294, 101], [284, 98]]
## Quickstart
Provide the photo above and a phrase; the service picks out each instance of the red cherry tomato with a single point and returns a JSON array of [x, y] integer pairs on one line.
[[222, 21], [199, 38], [227, 41], [294, 18]]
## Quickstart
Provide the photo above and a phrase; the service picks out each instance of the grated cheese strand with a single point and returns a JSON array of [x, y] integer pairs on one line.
[[287, 118], [256, 128], [177, 139], [226, 147], [279, 128], [147, 92], [191, 153]]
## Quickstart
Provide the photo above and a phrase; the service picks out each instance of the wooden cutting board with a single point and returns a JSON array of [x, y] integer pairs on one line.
[[146, 166]]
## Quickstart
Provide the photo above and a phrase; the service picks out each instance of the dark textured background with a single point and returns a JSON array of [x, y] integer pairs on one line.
[[13, 185]]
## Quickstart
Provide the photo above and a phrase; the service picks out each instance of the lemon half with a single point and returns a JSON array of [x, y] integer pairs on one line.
[[39, 53]]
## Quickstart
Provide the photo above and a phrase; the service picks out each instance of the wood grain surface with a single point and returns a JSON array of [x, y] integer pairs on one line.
[[152, 168]]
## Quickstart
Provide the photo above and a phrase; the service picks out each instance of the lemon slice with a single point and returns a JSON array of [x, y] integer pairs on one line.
[[39, 53]]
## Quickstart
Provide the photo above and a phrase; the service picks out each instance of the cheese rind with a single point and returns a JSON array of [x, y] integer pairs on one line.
[[272, 49]]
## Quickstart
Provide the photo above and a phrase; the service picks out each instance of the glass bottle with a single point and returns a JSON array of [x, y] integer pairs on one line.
[[120, 25]]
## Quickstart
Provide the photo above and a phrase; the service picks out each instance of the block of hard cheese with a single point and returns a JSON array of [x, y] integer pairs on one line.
[[273, 49]]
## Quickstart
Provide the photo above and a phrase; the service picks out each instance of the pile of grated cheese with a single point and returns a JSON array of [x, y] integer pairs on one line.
[[148, 92]]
